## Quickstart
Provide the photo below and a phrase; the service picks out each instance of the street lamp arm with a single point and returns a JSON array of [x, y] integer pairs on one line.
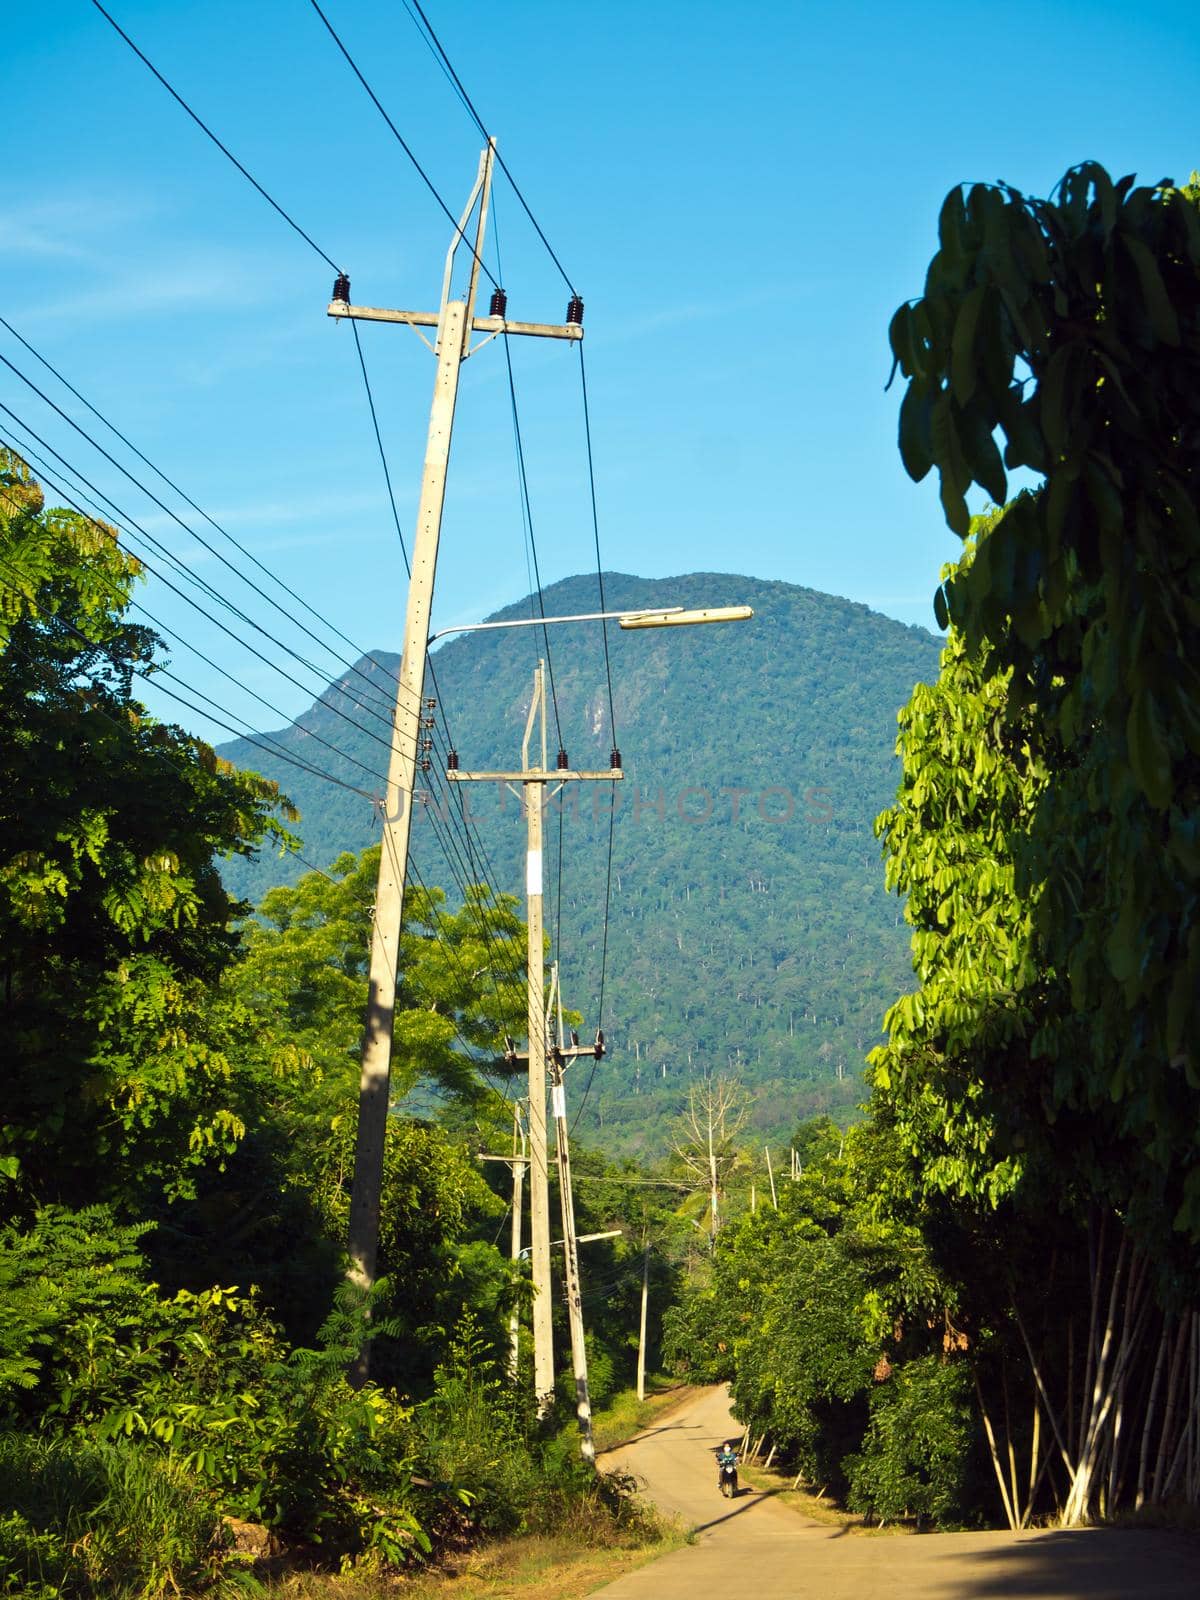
[[623, 617]]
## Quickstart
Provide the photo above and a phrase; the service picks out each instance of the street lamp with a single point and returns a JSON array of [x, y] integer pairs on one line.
[[649, 617], [676, 617]]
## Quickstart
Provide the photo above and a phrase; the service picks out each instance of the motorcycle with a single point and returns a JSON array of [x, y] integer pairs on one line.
[[727, 1478]]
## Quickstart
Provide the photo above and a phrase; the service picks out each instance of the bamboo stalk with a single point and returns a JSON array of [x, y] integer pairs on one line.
[[1071, 1383], [1034, 1472], [994, 1453], [1012, 1458], [1095, 1263], [1087, 1467], [1148, 1419], [1041, 1387], [1168, 1427], [1193, 1424]]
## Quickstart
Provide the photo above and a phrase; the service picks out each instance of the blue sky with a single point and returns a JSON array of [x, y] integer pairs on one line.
[[742, 194]]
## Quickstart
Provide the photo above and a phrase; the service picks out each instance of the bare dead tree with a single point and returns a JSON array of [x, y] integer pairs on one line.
[[705, 1137]]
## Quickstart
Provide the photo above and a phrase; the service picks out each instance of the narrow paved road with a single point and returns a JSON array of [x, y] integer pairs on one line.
[[754, 1548]]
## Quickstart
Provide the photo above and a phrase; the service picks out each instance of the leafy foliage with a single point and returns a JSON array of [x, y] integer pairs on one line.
[[1071, 327], [87, 1520], [836, 1324], [113, 917]]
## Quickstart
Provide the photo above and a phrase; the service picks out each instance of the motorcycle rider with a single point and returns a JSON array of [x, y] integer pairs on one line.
[[727, 1461]]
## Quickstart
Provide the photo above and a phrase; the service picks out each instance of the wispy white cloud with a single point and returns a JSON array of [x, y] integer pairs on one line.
[[341, 515], [171, 288], [70, 228]]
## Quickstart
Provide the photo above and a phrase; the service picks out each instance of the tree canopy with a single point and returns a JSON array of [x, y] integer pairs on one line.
[[1070, 327], [113, 917]]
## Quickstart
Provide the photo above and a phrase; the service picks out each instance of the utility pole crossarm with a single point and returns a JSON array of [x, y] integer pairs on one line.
[[429, 319], [538, 775]]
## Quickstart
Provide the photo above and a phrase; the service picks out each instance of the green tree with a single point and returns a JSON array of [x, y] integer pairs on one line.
[[304, 969], [113, 918], [1045, 827], [1071, 327]]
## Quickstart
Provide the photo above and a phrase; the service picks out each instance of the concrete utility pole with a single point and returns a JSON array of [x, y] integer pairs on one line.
[[518, 1161], [641, 1364], [519, 1164], [558, 1107], [455, 322], [534, 779]]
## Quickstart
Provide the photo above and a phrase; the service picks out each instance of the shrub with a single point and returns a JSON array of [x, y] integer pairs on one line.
[[89, 1520], [917, 1455]]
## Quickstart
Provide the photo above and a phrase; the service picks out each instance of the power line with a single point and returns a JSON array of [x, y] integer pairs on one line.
[[469, 870], [403, 143], [200, 539], [379, 442], [527, 516], [267, 571], [268, 746], [173, 634], [126, 523], [272, 747], [477, 119], [468, 1048], [223, 148], [151, 676]]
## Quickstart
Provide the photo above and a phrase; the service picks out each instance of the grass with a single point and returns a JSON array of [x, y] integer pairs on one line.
[[813, 1506], [626, 1416], [548, 1566]]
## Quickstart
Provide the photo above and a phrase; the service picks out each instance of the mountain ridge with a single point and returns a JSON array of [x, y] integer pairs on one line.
[[749, 929]]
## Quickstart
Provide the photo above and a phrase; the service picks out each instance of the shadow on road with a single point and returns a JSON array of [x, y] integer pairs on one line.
[[749, 1498], [1097, 1564]]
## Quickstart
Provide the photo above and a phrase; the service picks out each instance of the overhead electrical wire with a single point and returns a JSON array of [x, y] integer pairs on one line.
[[403, 143], [409, 6], [612, 722], [183, 495], [275, 204], [207, 131], [184, 571], [170, 634], [447, 66], [469, 867], [152, 676], [527, 517], [218, 713], [198, 537], [126, 524], [261, 742], [469, 1050]]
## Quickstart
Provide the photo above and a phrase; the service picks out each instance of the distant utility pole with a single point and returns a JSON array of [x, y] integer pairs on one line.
[[641, 1361], [518, 1161], [455, 322], [534, 779]]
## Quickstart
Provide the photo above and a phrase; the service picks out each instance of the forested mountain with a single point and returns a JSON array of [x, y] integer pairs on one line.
[[749, 926]]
